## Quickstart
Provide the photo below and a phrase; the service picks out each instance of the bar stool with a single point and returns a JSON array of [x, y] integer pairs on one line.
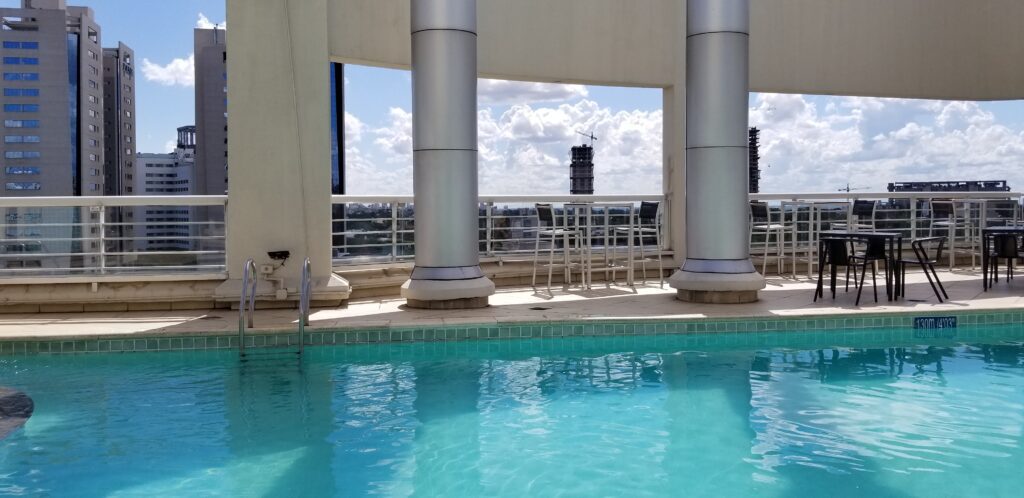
[[1000, 213], [943, 216], [761, 223], [548, 227], [861, 217], [647, 225]]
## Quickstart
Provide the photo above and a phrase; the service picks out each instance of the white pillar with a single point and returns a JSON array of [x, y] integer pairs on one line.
[[444, 74], [717, 266], [279, 194]]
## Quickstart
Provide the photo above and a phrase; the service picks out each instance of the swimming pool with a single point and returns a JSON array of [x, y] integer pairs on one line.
[[873, 413]]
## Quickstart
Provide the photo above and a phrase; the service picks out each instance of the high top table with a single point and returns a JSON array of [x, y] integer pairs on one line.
[[987, 234], [894, 249]]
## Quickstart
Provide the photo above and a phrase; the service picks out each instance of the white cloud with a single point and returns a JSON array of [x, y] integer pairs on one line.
[[525, 150], [870, 142], [353, 129], [205, 23], [395, 139], [179, 72], [501, 92], [170, 145]]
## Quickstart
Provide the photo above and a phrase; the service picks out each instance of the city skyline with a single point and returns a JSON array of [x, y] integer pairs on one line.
[[809, 143]]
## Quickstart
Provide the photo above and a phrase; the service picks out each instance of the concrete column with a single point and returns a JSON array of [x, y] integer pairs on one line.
[[279, 195], [444, 73], [717, 267]]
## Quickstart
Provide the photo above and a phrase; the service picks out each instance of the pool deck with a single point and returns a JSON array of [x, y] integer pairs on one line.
[[783, 298]]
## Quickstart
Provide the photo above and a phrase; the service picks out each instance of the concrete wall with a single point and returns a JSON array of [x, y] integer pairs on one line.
[[279, 140], [941, 49]]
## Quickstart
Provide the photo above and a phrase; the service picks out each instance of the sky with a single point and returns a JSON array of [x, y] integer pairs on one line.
[[809, 143]]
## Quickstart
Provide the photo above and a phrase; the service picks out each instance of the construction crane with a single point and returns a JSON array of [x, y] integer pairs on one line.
[[849, 189], [590, 136]]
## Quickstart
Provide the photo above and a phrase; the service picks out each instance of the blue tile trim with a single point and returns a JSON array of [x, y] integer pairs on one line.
[[734, 332]]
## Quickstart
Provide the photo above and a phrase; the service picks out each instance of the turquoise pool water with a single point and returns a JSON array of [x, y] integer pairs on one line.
[[881, 413]]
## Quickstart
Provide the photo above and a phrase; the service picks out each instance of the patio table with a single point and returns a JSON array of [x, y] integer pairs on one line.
[[894, 248]]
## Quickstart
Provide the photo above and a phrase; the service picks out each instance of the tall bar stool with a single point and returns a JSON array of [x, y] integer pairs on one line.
[[761, 223], [1000, 213], [862, 217], [944, 218], [798, 218], [647, 225], [548, 227]]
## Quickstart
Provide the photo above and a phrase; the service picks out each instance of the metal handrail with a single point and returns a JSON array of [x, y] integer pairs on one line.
[[249, 273], [305, 295]]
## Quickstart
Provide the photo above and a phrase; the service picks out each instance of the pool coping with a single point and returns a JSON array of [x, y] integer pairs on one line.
[[488, 330]]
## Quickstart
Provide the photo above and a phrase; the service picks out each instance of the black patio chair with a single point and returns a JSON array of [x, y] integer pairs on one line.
[[1004, 246], [927, 264], [835, 253], [874, 251]]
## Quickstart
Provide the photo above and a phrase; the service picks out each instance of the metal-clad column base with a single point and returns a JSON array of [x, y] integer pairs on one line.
[[717, 269], [448, 294]]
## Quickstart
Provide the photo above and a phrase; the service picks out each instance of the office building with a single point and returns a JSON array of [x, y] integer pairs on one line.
[[53, 125], [118, 119], [211, 111], [166, 228], [52, 100]]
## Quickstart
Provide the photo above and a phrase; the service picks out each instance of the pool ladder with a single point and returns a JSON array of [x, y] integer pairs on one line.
[[247, 307]]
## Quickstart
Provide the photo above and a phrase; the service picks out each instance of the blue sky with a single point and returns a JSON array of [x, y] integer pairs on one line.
[[811, 143]]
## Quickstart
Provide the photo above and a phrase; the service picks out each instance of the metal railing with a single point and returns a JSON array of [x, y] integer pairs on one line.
[[381, 229], [88, 236], [185, 235], [247, 302], [911, 214], [305, 295]]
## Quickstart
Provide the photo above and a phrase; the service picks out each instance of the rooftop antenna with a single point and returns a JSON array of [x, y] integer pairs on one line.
[[590, 136]]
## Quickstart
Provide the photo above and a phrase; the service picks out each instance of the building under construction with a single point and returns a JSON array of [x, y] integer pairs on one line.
[[581, 171], [755, 160]]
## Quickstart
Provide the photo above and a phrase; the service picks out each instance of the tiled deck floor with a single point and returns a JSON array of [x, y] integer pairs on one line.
[[782, 298]]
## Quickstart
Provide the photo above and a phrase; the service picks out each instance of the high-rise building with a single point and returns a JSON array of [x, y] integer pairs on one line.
[[581, 171], [52, 100], [754, 136], [166, 228], [211, 111], [54, 138], [118, 119]]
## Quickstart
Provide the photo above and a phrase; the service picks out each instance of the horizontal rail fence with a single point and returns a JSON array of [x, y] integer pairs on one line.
[[88, 236], [59, 236], [914, 215], [381, 229]]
